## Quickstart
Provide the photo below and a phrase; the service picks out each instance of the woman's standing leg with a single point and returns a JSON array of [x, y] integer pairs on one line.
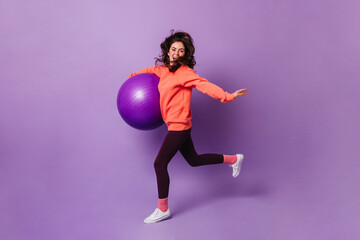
[[171, 144]]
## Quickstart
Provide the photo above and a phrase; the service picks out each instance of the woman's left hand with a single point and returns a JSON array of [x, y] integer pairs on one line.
[[240, 92]]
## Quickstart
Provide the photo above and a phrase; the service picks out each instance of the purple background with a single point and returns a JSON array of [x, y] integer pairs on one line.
[[72, 169]]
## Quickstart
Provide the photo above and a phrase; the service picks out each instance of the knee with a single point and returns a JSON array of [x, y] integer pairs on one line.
[[193, 161], [193, 164]]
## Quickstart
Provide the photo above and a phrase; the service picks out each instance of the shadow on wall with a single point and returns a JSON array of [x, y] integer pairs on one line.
[[216, 124], [221, 189]]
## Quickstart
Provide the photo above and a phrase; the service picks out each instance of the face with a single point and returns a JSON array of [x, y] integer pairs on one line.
[[176, 50]]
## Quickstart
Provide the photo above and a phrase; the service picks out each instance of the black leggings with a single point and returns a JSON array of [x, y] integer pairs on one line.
[[174, 141]]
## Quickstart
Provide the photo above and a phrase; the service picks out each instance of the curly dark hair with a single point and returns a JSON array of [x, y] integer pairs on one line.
[[188, 59]]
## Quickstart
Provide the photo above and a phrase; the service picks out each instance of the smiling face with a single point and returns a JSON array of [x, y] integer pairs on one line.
[[176, 50]]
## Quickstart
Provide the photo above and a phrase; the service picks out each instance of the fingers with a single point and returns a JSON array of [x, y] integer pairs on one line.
[[242, 91]]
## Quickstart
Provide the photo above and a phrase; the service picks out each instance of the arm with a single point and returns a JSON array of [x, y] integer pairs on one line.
[[191, 79], [153, 70]]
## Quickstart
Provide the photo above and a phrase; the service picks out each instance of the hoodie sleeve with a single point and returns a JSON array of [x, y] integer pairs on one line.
[[193, 80], [154, 70]]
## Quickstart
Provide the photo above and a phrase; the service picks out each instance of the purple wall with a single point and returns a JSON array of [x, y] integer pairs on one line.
[[70, 168]]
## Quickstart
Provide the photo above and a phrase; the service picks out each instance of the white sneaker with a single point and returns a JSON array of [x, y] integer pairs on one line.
[[157, 216], [237, 166]]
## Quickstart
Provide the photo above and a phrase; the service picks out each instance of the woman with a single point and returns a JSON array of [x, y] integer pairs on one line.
[[177, 79]]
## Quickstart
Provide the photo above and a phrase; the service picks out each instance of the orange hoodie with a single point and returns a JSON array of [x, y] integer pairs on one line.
[[175, 90]]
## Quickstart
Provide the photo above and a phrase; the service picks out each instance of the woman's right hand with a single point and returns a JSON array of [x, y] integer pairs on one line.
[[240, 92]]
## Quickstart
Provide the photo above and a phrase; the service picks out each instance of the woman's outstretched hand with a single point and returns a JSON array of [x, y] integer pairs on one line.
[[240, 92]]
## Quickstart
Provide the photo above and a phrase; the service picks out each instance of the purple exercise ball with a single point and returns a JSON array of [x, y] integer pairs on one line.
[[138, 102]]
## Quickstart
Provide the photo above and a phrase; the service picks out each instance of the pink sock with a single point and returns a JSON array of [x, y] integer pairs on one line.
[[163, 204], [230, 159]]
